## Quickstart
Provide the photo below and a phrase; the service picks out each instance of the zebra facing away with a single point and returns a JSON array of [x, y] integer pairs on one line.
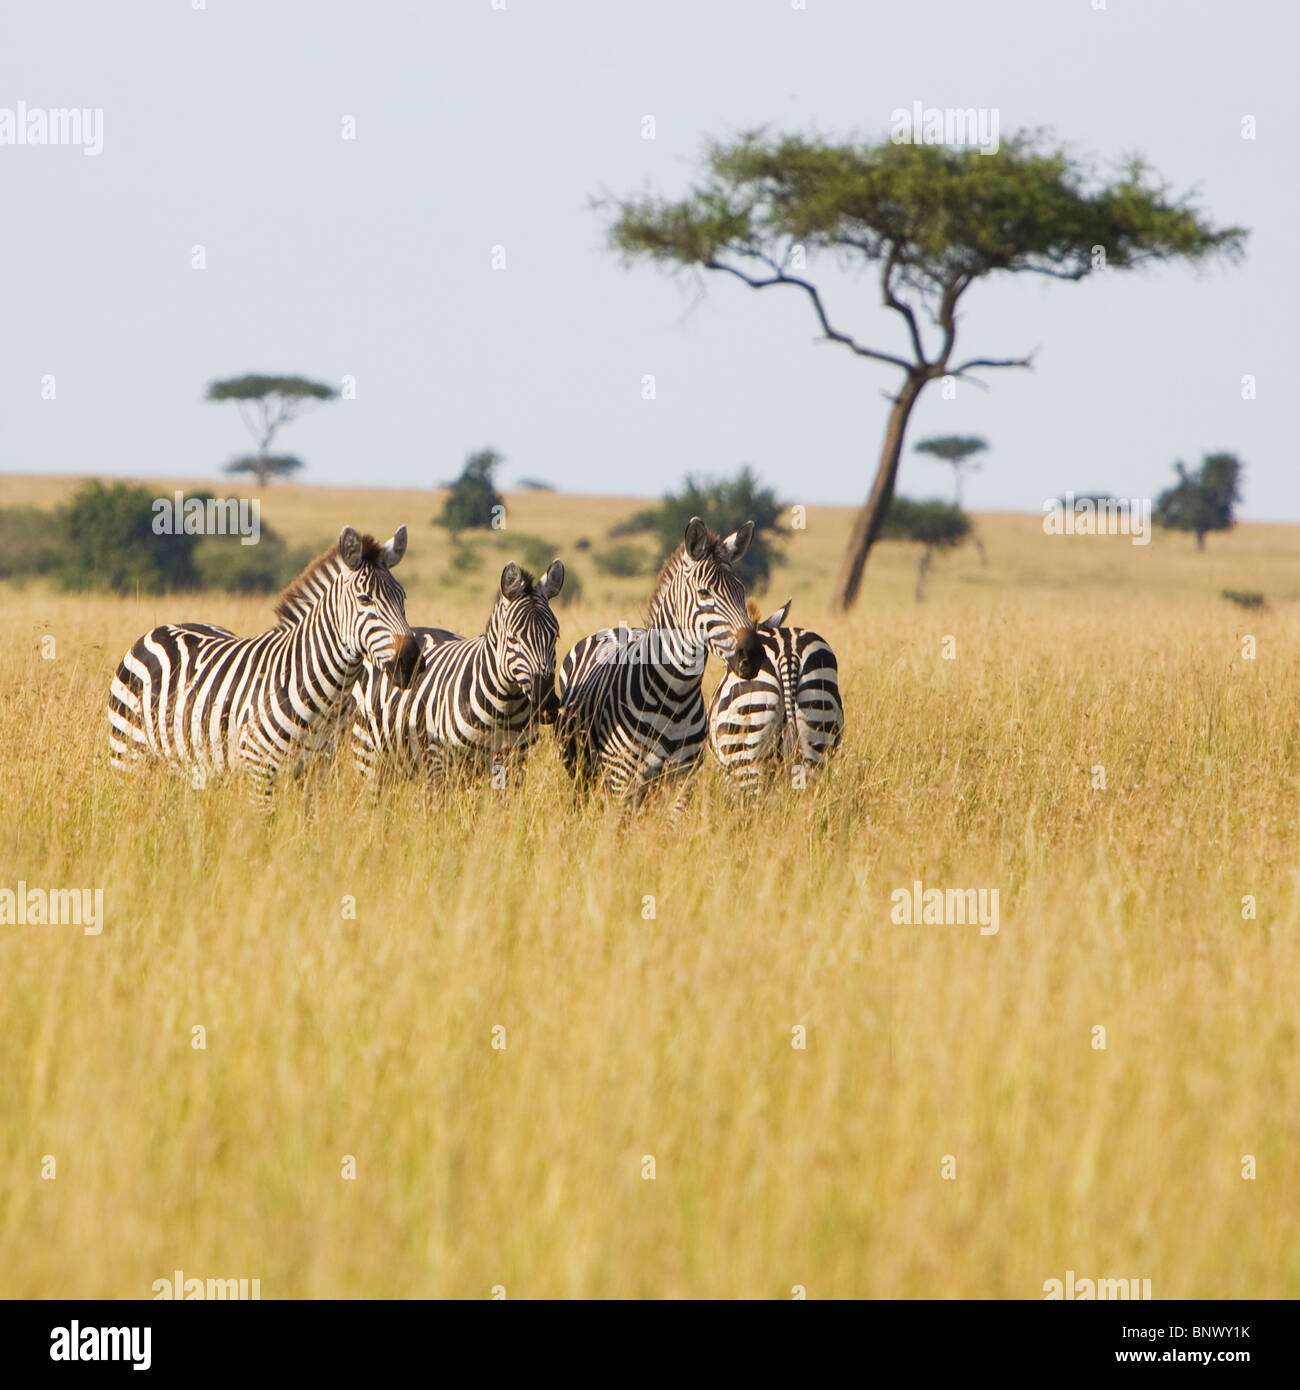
[[631, 705], [202, 699], [480, 699], [789, 709]]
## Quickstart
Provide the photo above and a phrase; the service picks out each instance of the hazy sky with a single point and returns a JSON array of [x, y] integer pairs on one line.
[[479, 127]]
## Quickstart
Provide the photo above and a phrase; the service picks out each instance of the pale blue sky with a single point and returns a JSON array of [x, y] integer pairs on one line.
[[479, 127]]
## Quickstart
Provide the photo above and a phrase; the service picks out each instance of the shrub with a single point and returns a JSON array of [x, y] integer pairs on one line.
[[624, 561], [473, 499], [29, 543], [108, 542], [725, 505]]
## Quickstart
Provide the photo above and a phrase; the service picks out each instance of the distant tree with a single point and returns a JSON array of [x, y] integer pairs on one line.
[[535, 485], [473, 501], [956, 451], [266, 405], [934, 525], [270, 466], [932, 221], [1203, 501], [725, 505]]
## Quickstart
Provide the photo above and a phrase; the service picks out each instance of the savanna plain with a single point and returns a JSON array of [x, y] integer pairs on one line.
[[1079, 723]]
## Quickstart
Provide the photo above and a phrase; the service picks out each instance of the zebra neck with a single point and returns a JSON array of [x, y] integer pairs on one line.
[[492, 681], [671, 648], [318, 669]]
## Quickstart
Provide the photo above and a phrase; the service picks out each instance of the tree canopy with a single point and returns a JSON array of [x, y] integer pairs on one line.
[[266, 404], [1204, 500], [933, 220], [474, 502]]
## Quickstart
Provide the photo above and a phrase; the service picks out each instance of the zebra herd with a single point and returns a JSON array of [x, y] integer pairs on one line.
[[629, 713]]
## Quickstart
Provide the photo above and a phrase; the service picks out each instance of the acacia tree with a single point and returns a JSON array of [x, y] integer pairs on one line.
[[956, 451], [1202, 501], [266, 405], [934, 525], [932, 220]]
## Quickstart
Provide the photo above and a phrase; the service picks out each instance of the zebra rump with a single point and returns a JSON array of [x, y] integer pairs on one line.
[[789, 710]]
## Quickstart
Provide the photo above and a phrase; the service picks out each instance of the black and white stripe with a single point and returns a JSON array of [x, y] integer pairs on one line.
[[789, 710], [480, 699], [200, 698], [631, 705]]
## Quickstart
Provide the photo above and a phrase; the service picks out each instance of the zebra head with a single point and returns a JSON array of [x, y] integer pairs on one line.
[[706, 599], [523, 632], [371, 604]]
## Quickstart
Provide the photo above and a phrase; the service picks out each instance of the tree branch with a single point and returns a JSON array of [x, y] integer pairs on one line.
[[892, 301], [779, 277]]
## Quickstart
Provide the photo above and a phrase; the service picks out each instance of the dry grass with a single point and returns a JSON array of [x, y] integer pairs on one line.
[[627, 1037]]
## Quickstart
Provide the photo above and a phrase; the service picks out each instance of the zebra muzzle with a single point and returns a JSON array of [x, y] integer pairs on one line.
[[407, 662], [747, 657]]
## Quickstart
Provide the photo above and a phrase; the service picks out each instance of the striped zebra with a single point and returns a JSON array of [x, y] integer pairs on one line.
[[789, 709], [631, 704], [479, 700], [198, 697]]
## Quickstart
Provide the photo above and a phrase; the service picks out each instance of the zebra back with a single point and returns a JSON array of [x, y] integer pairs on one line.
[[789, 710]]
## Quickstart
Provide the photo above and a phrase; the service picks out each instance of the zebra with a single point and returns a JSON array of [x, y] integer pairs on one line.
[[479, 700], [201, 698], [788, 709], [631, 705]]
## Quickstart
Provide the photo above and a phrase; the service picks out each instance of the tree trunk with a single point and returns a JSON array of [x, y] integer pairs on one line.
[[1200, 540], [921, 570], [867, 526]]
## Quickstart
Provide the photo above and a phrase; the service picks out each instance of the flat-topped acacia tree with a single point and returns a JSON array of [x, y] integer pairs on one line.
[[267, 404], [933, 220]]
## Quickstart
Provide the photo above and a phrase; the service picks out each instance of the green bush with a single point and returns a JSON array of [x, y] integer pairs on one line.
[[104, 538], [265, 568], [624, 561], [29, 543], [108, 542], [725, 505]]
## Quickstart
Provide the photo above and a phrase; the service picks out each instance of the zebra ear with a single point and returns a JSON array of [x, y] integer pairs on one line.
[[552, 581], [697, 538], [512, 581], [776, 619], [395, 548], [737, 543], [350, 547]]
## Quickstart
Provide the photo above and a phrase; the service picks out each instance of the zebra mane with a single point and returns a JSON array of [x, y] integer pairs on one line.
[[712, 541], [305, 592]]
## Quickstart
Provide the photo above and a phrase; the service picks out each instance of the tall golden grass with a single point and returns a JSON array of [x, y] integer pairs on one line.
[[524, 909]]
